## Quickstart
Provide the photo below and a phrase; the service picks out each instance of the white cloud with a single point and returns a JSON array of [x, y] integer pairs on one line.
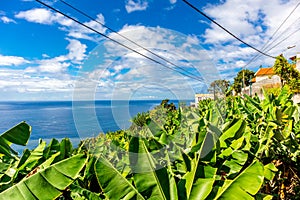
[[125, 74], [12, 60], [53, 66], [136, 5], [76, 51], [7, 20], [254, 17], [173, 1], [60, 64], [80, 32], [17, 81], [39, 15], [75, 30], [253, 21]]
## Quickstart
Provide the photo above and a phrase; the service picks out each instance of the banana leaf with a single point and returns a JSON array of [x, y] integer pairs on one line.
[[245, 185], [114, 185], [48, 183], [19, 135], [150, 179]]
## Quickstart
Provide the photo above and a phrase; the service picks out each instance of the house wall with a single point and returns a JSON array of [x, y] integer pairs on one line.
[[267, 78]]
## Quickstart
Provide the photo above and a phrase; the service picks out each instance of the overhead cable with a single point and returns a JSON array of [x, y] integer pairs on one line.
[[117, 42], [284, 39], [268, 44], [213, 21], [284, 21], [124, 37]]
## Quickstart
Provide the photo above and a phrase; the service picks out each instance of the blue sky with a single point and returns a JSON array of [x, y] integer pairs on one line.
[[45, 56]]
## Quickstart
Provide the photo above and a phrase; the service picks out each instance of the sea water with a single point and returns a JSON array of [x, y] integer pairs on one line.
[[74, 120]]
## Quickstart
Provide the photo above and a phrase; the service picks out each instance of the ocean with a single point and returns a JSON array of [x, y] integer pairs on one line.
[[75, 120]]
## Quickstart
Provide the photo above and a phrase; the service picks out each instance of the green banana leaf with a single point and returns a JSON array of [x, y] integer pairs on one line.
[[80, 193], [245, 185], [19, 135], [153, 183], [234, 130], [33, 158], [114, 185], [196, 185], [47, 183]]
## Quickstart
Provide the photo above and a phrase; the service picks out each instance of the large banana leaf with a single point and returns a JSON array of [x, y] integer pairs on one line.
[[197, 184], [79, 193], [19, 135], [233, 130], [153, 183], [47, 183], [33, 158], [114, 185], [246, 184]]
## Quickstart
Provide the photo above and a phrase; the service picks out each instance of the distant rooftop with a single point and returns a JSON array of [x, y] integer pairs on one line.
[[265, 71]]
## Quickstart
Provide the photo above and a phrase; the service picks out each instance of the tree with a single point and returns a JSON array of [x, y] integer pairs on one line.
[[219, 87], [245, 74], [287, 73]]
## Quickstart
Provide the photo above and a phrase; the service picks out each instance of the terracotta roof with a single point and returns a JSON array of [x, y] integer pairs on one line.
[[293, 58], [253, 80], [265, 71]]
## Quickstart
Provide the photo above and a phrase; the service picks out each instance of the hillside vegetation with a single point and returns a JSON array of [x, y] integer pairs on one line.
[[237, 148]]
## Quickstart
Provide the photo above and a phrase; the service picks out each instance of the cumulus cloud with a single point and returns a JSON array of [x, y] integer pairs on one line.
[[80, 32], [125, 74], [44, 16], [7, 20], [255, 23], [17, 81], [40, 15], [136, 5], [54, 65], [41, 79], [76, 51], [12, 60], [60, 64]]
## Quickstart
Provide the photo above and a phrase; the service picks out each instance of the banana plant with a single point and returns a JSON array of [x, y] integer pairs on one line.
[[245, 186], [48, 183], [19, 135]]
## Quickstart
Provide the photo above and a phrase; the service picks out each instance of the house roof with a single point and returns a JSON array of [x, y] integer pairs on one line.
[[265, 71], [293, 58]]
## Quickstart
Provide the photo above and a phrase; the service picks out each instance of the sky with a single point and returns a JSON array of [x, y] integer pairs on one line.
[[176, 51]]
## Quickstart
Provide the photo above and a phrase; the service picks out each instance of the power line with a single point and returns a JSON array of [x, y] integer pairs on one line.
[[257, 56], [284, 39], [210, 19], [283, 32], [124, 37], [117, 42], [284, 21], [267, 44]]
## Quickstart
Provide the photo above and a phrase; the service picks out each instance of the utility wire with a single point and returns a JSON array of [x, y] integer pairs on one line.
[[284, 21], [285, 31], [268, 44], [267, 50], [210, 19], [124, 37], [257, 56], [284, 39], [117, 42]]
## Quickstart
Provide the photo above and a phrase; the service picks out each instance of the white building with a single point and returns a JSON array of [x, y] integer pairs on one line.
[[266, 78], [200, 97]]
